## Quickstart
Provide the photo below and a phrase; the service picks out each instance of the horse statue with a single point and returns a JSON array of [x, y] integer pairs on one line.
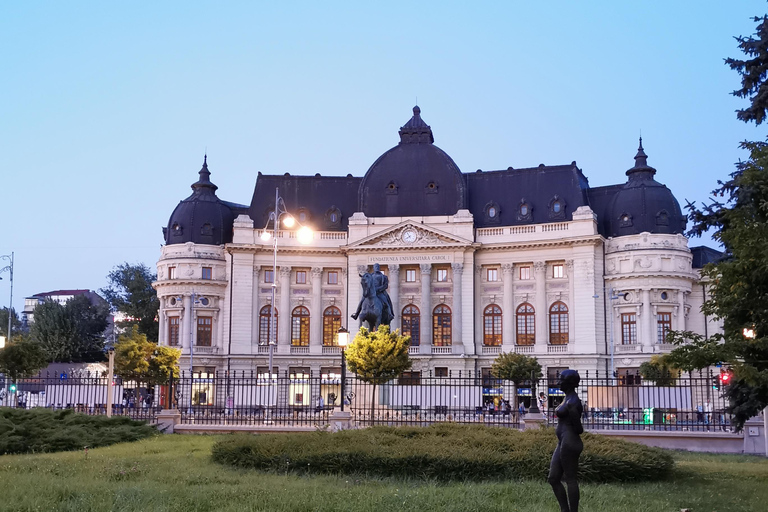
[[374, 307]]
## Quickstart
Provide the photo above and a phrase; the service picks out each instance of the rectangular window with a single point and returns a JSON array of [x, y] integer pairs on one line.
[[492, 274], [410, 379], [171, 272], [663, 326], [269, 276], [207, 273], [301, 277], [557, 271], [173, 331], [628, 328], [442, 275], [628, 377], [441, 371], [203, 338], [525, 273], [333, 277], [410, 275]]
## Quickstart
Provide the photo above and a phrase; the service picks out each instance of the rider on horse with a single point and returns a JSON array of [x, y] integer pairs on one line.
[[379, 284]]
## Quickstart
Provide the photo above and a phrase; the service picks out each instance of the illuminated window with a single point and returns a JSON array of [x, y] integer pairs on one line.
[[492, 274], [171, 272], [410, 275], [410, 323], [442, 275], [264, 325], [441, 326], [557, 271], [558, 324], [526, 325], [300, 327], [492, 326], [525, 273], [331, 326]]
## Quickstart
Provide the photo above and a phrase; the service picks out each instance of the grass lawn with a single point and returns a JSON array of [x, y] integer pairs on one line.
[[175, 473]]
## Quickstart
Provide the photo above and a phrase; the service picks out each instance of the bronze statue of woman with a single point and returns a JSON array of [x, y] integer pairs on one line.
[[565, 460]]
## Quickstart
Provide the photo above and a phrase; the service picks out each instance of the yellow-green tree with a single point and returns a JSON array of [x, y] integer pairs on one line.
[[377, 357], [137, 358]]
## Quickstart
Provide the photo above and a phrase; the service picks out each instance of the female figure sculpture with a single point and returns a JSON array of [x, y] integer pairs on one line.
[[565, 460]]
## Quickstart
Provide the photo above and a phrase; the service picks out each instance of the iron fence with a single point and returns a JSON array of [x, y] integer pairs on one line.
[[83, 392], [693, 402]]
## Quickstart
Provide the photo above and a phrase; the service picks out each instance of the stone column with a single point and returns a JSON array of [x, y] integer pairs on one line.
[[540, 271], [648, 333], [284, 312], [508, 307], [571, 301], [186, 327], [477, 331], [458, 272], [426, 309], [162, 338], [394, 294], [681, 311], [316, 313], [257, 276]]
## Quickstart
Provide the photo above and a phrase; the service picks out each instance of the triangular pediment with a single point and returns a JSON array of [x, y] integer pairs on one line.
[[409, 234]]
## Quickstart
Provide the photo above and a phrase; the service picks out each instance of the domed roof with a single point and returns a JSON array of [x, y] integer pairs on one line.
[[414, 178], [202, 218], [644, 205]]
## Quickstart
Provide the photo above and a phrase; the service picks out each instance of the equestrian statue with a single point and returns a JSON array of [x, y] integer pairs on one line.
[[375, 307]]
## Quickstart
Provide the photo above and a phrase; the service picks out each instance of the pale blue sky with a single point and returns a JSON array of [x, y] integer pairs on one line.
[[106, 108]]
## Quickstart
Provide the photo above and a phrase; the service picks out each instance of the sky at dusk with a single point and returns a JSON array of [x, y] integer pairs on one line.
[[107, 108]]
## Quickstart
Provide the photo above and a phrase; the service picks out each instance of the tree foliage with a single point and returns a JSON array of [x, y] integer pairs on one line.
[[130, 292], [516, 367], [22, 357], [378, 356], [753, 71], [738, 292], [659, 371], [15, 322], [137, 358], [72, 332]]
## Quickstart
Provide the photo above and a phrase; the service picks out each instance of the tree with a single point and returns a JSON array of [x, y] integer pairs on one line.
[[516, 367], [73, 332], [137, 358], [753, 71], [738, 291], [659, 371], [130, 292], [15, 322], [378, 357], [22, 357]]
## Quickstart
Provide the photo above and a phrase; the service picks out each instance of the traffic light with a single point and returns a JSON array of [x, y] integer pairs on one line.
[[716, 383], [12, 389], [725, 378]]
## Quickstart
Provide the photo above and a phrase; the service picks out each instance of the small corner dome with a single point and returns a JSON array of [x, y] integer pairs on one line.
[[414, 178], [643, 204], [202, 218]]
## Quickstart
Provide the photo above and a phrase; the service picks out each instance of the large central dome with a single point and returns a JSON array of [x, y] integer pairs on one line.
[[414, 178]]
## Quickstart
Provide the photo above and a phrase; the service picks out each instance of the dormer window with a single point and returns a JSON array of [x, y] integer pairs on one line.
[[492, 212], [176, 229], [333, 216], [524, 211], [391, 188], [557, 208], [303, 216], [431, 187], [625, 220], [206, 230], [662, 218]]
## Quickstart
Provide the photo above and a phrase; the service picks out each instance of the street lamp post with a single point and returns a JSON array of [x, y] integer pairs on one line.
[[612, 298], [192, 330], [343, 341], [10, 306], [305, 236]]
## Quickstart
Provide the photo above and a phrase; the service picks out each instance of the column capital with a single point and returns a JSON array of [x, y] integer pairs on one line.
[[317, 272], [569, 264], [394, 269], [362, 269], [285, 271], [426, 269], [540, 266], [507, 268], [457, 268]]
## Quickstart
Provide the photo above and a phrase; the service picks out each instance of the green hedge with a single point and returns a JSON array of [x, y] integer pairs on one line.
[[43, 430], [444, 452]]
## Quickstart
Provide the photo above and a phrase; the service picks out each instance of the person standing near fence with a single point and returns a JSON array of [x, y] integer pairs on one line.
[[707, 413]]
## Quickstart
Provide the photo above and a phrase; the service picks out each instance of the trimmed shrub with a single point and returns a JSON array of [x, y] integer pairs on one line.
[[443, 452], [44, 430]]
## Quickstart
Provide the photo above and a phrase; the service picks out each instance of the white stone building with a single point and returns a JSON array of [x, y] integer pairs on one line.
[[527, 260]]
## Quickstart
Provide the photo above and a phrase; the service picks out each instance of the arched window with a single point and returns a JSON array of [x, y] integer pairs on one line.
[[526, 325], [411, 324], [331, 326], [558, 324], [300, 327], [492, 326], [441, 326], [264, 331]]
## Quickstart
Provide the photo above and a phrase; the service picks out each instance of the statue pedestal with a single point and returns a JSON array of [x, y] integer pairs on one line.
[[167, 419], [533, 421], [340, 420]]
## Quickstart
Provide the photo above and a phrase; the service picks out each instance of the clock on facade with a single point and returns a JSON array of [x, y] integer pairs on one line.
[[409, 236]]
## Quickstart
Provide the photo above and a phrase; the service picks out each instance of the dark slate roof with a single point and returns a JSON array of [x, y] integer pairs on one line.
[[414, 178], [317, 196], [703, 255], [600, 198], [537, 187]]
